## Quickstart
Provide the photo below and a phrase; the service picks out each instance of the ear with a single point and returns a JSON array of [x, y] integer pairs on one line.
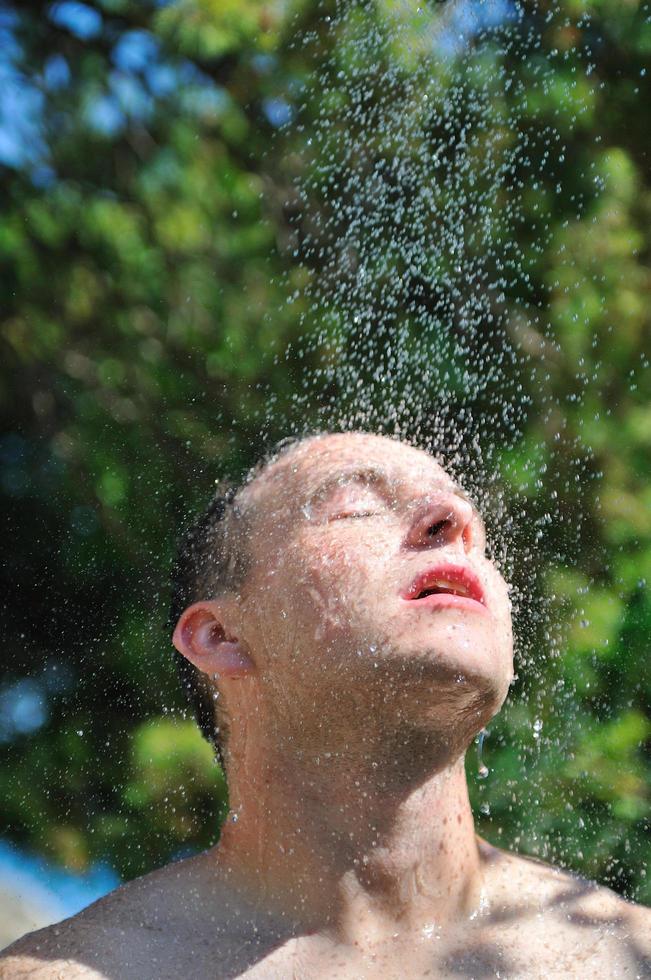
[[202, 639]]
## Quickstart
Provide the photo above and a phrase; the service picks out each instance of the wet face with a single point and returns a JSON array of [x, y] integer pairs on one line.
[[370, 593]]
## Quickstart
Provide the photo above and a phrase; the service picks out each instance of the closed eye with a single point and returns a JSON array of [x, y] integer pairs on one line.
[[349, 514]]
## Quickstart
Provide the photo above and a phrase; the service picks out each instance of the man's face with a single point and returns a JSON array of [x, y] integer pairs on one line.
[[370, 586]]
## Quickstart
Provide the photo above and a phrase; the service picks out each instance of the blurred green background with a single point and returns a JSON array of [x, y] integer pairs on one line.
[[148, 247]]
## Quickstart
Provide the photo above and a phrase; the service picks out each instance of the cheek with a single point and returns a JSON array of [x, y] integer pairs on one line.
[[342, 569], [336, 580]]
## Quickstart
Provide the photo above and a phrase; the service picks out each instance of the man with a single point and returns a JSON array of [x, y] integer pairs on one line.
[[357, 638]]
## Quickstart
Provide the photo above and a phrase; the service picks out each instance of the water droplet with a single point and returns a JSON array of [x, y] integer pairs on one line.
[[482, 769]]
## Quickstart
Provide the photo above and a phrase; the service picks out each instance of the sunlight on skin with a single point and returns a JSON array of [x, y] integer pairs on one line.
[[352, 694], [372, 700]]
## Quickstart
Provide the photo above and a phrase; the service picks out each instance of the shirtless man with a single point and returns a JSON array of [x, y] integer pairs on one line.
[[359, 639]]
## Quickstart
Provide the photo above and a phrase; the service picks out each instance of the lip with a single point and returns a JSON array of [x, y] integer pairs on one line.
[[459, 575]]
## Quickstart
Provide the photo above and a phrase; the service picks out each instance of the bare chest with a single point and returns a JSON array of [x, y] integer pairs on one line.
[[524, 951]]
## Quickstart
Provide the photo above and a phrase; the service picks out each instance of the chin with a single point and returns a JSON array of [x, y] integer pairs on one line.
[[469, 647], [480, 670], [457, 679]]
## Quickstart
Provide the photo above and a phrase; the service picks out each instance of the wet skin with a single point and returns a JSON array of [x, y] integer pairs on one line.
[[351, 703]]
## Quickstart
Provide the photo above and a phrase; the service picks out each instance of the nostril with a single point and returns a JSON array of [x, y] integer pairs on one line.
[[436, 528]]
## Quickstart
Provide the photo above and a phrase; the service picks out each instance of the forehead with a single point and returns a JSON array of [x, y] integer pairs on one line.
[[302, 469]]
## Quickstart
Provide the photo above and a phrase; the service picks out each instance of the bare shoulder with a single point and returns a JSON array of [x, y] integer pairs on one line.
[[585, 918], [142, 929], [45, 954], [75, 947], [66, 949], [552, 885]]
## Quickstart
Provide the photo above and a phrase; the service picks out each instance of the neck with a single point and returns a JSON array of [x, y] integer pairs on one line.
[[366, 849]]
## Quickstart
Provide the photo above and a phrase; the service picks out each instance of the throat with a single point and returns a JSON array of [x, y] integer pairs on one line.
[[424, 871], [362, 863]]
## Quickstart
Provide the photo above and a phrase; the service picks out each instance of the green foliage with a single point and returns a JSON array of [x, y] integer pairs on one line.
[[146, 268]]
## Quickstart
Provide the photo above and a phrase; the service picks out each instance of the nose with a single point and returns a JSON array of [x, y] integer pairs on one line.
[[441, 522]]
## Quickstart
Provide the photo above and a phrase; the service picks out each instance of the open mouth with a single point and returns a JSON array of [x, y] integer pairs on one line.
[[454, 581]]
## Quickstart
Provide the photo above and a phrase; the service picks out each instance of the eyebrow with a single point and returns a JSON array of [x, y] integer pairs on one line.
[[371, 475]]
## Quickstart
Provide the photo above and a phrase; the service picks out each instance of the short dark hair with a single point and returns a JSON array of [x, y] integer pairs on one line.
[[212, 558]]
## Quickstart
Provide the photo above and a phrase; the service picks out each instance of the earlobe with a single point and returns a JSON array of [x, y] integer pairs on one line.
[[200, 637]]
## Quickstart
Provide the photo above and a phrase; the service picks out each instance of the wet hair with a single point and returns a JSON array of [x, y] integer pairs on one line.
[[211, 559]]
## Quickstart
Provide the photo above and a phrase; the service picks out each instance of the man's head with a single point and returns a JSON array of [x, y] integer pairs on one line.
[[359, 598]]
